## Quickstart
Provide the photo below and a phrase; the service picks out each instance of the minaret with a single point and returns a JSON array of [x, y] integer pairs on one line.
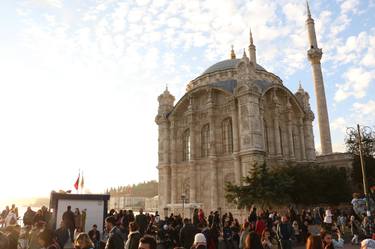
[[252, 50], [315, 55]]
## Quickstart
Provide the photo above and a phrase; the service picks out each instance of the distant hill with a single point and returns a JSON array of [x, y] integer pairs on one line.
[[32, 202], [146, 189]]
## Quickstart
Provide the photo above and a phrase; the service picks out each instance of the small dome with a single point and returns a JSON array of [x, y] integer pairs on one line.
[[227, 64]]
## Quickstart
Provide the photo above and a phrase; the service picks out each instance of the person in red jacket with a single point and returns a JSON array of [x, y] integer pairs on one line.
[[260, 225]]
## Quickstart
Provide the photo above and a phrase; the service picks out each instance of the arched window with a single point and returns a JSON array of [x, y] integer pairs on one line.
[[227, 136], [205, 138], [186, 145]]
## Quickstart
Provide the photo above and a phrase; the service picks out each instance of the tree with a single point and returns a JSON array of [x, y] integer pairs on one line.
[[313, 184], [261, 187], [298, 184], [368, 145]]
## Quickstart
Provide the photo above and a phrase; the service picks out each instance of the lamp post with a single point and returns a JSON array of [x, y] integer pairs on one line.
[[183, 198], [356, 135]]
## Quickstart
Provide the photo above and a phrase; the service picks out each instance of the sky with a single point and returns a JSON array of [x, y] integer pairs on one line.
[[79, 80]]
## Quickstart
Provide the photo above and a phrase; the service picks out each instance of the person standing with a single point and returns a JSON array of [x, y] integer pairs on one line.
[[200, 241], [94, 235], [133, 237], [328, 219], [187, 234], [141, 221], [252, 241], [83, 219], [78, 219], [147, 242], [284, 233], [354, 227], [62, 235], [115, 238], [28, 217], [46, 240], [68, 219], [83, 241]]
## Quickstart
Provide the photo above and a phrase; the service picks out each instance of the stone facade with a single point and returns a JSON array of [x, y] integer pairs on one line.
[[232, 117], [228, 120]]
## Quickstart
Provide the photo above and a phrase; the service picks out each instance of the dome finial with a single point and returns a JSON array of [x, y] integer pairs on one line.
[[251, 38], [300, 88], [252, 52], [232, 54]]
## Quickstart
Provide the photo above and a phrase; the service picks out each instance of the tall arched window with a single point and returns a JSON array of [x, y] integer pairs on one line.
[[205, 137], [227, 136], [186, 145]]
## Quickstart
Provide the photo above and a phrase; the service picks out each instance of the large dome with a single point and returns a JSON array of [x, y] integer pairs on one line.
[[227, 64]]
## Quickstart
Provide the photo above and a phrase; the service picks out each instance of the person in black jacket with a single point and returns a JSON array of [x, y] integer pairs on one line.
[[187, 234], [285, 233], [141, 220], [68, 219], [94, 235], [115, 238], [134, 236], [62, 235]]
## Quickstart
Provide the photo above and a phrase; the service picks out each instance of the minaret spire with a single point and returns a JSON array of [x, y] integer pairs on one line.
[[314, 55], [252, 50], [308, 9], [232, 54]]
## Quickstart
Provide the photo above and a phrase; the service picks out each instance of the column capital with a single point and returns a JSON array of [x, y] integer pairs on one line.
[[315, 55]]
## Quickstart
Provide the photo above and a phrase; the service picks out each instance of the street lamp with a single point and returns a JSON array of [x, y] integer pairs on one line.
[[356, 136], [183, 198]]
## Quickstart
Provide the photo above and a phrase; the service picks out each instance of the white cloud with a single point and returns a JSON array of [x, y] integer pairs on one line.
[[339, 124], [52, 3], [365, 108], [349, 6], [357, 81]]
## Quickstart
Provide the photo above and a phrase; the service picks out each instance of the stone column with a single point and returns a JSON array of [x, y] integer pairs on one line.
[[167, 184], [276, 128], [173, 169], [174, 197], [236, 144], [302, 138], [309, 140], [212, 152], [192, 163], [214, 185], [237, 168]]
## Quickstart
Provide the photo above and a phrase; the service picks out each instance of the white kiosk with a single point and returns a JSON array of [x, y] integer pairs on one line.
[[96, 208]]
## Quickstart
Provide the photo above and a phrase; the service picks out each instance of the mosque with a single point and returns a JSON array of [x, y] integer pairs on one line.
[[233, 115]]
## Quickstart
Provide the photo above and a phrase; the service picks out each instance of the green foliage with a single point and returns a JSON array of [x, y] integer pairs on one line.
[[368, 149], [357, 172], [318, 184], [300, 184], [262, 187]]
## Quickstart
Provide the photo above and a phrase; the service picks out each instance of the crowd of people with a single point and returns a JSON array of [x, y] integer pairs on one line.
[[262, 229]]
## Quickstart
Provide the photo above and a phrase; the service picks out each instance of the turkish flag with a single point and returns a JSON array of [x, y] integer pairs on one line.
[[76, 185]]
